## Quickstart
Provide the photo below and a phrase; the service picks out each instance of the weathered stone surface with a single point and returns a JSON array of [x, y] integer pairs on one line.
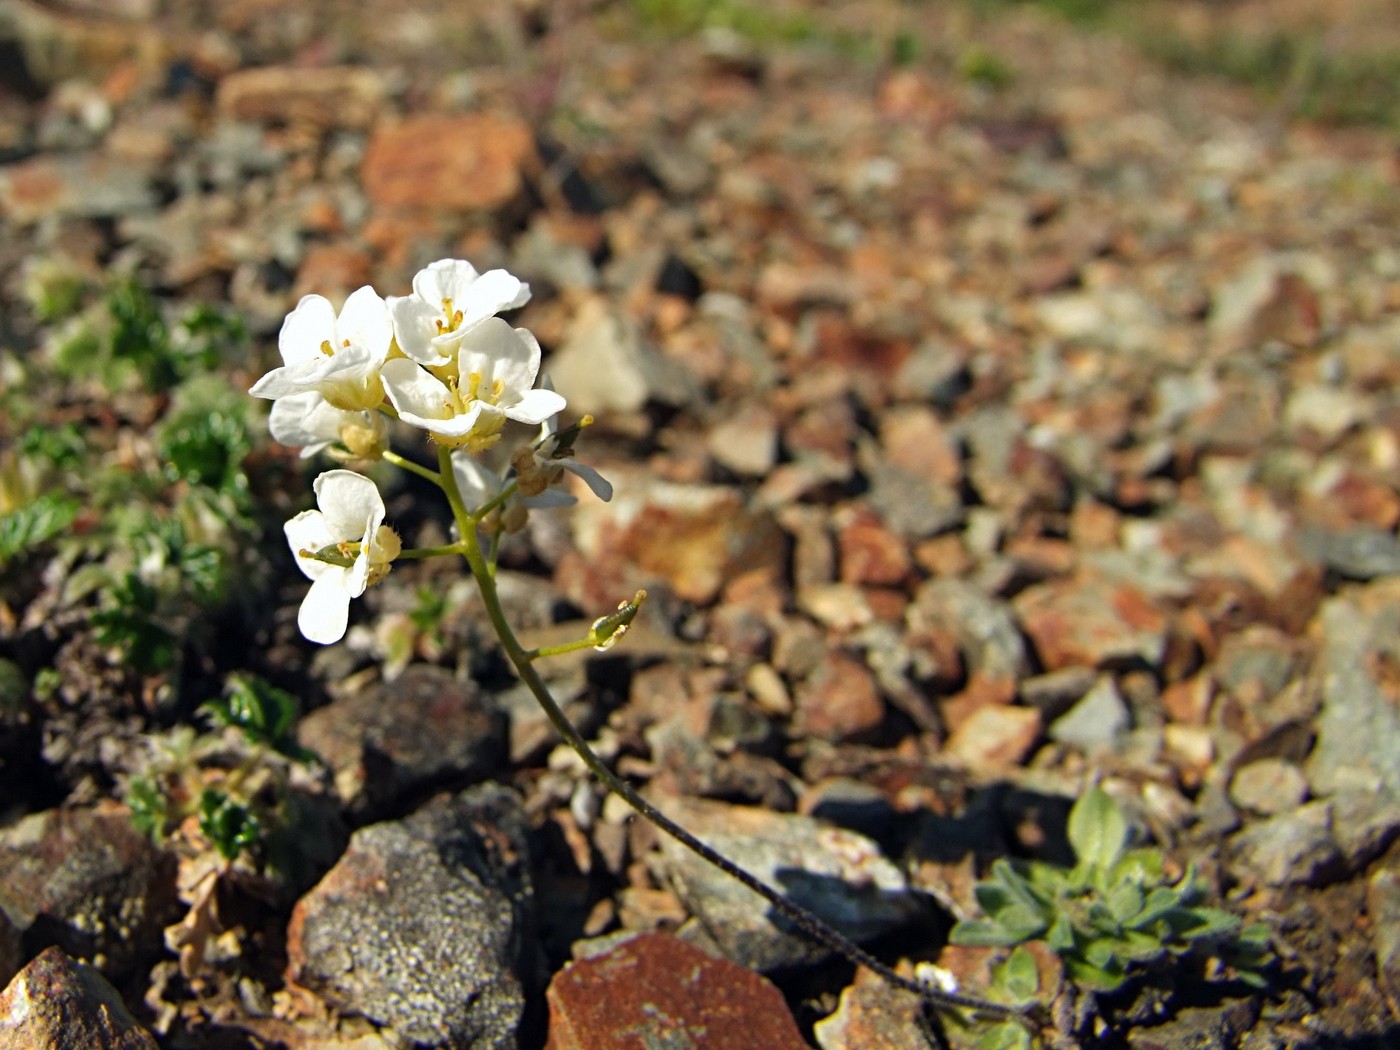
[[438, 162], [1294, 848], [872, 1016], [90, 883], [839, 700], [654, 989], [55, 1003], [839, 875], [343, 97], [422, 925], [995, 735], [395, 739], [1091, 621]]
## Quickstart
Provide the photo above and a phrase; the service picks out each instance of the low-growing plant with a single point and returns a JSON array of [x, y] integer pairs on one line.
[[1113, 915]]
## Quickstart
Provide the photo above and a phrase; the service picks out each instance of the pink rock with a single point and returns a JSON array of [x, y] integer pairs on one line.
[[995, 736], [655, 988], [872, 554]]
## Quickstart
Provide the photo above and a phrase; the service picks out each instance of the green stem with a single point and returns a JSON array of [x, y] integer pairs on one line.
[[559, 650], [522, 659], [410, 466], [495, 501], [430, 552]]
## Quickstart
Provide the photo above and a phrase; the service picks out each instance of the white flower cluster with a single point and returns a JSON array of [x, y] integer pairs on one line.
[[440, 360]]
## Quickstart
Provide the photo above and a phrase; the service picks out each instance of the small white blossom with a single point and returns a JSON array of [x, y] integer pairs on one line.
[[342, 547], [338, 357], [465, 403], [449, 299]]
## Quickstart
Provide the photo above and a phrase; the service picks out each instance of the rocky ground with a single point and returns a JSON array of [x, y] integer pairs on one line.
[[992, 411]]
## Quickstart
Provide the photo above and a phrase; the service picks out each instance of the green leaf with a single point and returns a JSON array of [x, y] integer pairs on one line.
[[1018, 976], [229, 825], [983, 933], [1106, 978], [1196, 924], [36, 522], [1125, 902], [1157, 904], [149, 807], [1097, 829], [1061, 937]]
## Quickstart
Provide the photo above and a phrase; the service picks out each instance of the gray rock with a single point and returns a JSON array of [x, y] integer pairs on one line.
[[1358, 553], [1270, 785], [1097, 721], [106, 900], [55, 1003], [423, 925], [396, 739], [985, 627], [911, 505], [1290, 849], [841, 876], [1359, 722]]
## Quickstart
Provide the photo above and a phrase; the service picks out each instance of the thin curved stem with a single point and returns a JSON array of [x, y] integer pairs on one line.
[[810, 924]]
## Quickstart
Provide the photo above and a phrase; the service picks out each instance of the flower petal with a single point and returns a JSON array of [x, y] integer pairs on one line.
[[347, 500], [503, 356], [492, 292], [444, 279], [535, 406], [305, 421], [414, 391], [325, 611], [601, 486], [365, 322], [308, 532], [311, 323], [415, 325]]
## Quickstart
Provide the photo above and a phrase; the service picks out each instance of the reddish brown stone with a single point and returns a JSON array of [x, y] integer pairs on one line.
[[1091, 621], [332, 270], [840, 701], [873, 1015], [442, 162], [56, 1002], [655, 987], [871, 553]]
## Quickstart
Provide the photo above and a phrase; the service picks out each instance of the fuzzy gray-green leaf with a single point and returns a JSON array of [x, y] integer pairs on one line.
[[1097, 829]]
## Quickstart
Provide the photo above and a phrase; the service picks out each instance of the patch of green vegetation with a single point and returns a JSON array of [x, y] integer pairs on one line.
[[757, 22], [1114, 914], [981, 66]]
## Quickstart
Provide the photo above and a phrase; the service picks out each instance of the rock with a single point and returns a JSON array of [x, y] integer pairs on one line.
[[872, 1016], [1294, 848], [1091, 621], [438, 162], [90, 883], [11, 948], [1269, 786], [1383, 910], [1357, 553], [1359, 721], [350, 97], [1055, 693], [913, 505], [605, 366], [390, 741], [422, 925], [986, 631], [995, 736], [746, 441], [693, 537], [78, 186], [839, 701], [839, 875], [654, 989], [1097, 721], [869, 553], [55, 1003]]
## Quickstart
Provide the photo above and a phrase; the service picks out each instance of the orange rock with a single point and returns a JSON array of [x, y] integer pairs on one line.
[[445, 162]]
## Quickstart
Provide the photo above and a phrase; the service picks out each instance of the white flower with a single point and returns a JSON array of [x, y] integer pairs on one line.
[[343, 547], [309, 422], [465, 402], [338, 357], [449, 298]]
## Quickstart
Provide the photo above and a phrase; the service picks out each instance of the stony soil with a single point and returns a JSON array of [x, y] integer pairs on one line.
[[1016, 415]]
